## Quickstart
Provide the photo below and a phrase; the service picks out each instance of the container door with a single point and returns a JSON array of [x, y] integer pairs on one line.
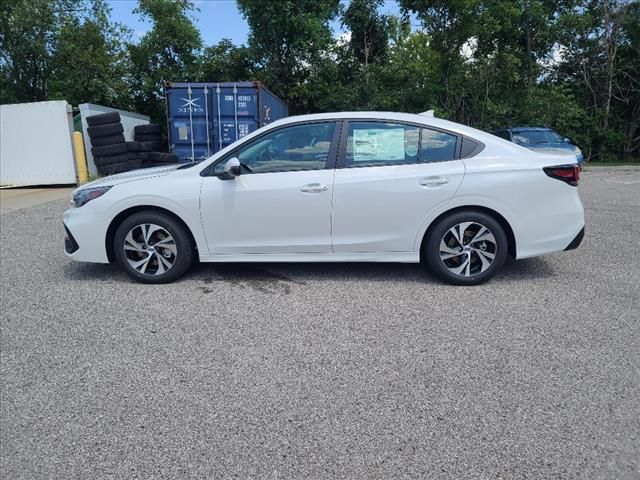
[[190, 122], [236, 113]]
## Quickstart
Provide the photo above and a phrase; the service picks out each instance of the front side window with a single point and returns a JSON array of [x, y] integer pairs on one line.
[[300, 147], [376, 143], [437, 146]]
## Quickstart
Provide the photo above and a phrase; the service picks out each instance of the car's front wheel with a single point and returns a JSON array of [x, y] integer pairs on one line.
[[466, 248], [153, 247]]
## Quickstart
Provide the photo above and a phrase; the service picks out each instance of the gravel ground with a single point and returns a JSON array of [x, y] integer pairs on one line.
[[324, 371]]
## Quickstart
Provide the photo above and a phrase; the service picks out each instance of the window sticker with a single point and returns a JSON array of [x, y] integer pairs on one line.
[[378, 144]]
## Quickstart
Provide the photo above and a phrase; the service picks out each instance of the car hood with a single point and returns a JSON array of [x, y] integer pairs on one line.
[[132, 176]]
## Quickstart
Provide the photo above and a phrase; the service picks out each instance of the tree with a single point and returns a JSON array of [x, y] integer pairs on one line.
[[225, 62], [449, 25], [601, 62], [169, 51], [28, 30], [288, 39], [88, 63], [369, 31]]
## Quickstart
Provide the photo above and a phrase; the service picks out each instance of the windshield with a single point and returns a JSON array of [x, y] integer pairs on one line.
[[533, 137]]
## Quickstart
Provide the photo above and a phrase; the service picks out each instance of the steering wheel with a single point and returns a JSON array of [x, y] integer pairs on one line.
[[266, 155]]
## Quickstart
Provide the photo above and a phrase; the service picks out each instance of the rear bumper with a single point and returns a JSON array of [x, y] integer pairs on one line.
[[575, 243]]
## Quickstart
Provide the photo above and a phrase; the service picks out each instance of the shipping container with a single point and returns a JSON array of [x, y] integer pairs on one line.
[[203, 118]]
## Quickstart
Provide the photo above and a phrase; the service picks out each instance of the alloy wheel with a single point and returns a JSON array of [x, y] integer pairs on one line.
[[468, 249], [150, 249]]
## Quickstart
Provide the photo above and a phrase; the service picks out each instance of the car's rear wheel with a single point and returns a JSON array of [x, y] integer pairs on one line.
[[153, 247], [466, 248]]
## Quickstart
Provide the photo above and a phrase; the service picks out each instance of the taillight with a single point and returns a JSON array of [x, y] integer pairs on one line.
[[567, 173]]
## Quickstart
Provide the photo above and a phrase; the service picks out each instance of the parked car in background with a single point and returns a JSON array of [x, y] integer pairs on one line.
[[336, 187], [541, 139]]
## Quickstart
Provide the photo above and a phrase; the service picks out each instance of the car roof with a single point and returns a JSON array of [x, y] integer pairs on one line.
[[425, 120]]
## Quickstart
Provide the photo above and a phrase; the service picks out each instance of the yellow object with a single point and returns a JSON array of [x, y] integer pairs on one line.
[[81, 159]]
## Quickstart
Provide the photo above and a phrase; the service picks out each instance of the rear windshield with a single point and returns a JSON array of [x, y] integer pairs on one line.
[[536, 137]]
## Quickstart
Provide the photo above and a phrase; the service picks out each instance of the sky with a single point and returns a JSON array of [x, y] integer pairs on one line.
[[216, 19]]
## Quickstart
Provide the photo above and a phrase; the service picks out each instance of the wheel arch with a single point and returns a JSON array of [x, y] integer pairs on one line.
[[511, 239], [120, 217]]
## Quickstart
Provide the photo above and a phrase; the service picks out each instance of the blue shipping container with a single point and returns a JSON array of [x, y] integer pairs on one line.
[[203, 118]]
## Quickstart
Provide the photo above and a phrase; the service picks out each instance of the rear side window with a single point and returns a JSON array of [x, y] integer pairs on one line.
[[377, 143], [437, 146]]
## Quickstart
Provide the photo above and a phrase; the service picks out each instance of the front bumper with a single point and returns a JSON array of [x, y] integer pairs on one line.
[[85, 234], [70, 244]]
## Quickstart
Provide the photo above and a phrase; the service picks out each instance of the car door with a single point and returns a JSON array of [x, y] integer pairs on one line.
[[389, 176], [281, 201]]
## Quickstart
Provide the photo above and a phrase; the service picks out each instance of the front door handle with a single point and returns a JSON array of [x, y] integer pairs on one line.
[[314, 188], [433, 182]]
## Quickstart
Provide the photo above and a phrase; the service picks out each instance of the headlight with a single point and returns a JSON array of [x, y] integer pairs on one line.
[[576, 150], [84, 195]]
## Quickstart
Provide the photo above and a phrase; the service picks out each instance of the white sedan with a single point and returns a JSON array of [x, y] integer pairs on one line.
[[336, 187]]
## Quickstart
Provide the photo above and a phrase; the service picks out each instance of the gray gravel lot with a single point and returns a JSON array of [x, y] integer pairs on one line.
[[324, 371]]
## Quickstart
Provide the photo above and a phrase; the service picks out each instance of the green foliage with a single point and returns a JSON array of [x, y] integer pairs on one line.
[[168, 52], [28, 30], [89, 61], [225, 62], [369, 31], [571, 64], [288, 39]]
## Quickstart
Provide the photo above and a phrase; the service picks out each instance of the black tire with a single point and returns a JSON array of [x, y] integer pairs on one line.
[[147, 129], [106, 130], [144, 156], [149, 138], [111, 140], [120, 167], [108, 150], [150, 146], [103, 118], [133, 146], [477, 253], [133, 156], [110, 160], [135, 164], [181, 261], [159, 157]]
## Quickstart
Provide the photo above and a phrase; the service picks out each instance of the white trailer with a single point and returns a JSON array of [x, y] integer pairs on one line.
[[35, 144]]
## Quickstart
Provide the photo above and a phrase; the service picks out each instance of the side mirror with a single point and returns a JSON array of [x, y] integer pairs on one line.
[[232, 167], [568, 140]]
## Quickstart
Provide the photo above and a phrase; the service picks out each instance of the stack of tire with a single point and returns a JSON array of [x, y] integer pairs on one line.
[[108, 146], [150, 142]]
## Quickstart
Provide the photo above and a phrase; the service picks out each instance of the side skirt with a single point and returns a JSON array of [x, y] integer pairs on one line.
[[389, 257]]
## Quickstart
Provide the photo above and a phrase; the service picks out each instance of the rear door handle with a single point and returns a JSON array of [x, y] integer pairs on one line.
[[433, 182], [314, 188]]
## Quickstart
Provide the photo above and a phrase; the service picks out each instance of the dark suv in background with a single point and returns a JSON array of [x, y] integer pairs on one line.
[[541, 139]]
